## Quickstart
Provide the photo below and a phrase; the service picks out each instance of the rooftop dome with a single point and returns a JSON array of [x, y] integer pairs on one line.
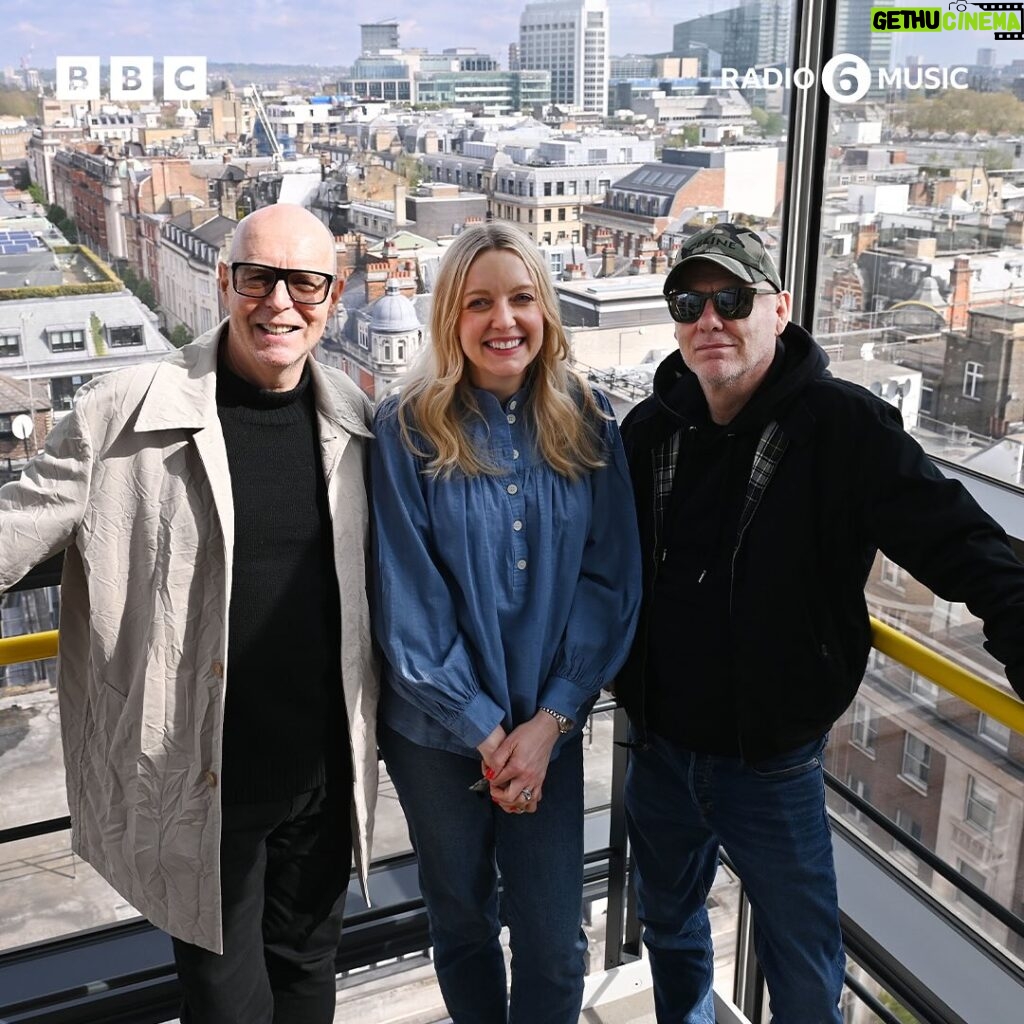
[[931, 294], [393, 312]]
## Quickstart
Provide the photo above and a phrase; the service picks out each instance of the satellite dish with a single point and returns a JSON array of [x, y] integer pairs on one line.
[[22, 427]]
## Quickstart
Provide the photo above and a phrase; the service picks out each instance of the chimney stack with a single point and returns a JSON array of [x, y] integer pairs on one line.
[[960, 282]]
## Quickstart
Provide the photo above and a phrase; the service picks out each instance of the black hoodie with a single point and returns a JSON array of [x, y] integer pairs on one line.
[[753, 642], [696, 708]]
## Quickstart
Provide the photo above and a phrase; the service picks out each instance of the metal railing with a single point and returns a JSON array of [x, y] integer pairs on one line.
[[608, 868], [916, 656], [950, 676], [749, 987], [30, 647]]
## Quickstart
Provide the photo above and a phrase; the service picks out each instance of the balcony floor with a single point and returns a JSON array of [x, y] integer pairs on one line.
[[408, 994]]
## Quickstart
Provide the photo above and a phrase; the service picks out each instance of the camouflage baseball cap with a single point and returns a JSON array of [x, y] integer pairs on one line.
[[736, 249]]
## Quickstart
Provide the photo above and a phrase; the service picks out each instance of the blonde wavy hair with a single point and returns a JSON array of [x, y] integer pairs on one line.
[[436, 397]]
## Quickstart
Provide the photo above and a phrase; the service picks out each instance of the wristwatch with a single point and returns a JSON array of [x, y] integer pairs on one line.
[[565, 723]]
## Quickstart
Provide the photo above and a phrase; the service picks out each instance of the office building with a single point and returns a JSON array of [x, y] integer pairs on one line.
[[751, 34], [569, 38], [378, 35]]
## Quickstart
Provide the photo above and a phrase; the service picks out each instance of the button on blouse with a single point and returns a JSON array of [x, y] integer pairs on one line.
[[499, 593]]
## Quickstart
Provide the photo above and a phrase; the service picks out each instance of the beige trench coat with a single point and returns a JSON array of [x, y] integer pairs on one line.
[[134, 484]]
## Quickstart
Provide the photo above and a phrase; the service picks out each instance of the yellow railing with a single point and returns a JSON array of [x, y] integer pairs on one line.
[[31, 647], [926, 662], [950, 676]]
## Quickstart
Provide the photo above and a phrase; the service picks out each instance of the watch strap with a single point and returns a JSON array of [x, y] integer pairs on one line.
[[565, 723]]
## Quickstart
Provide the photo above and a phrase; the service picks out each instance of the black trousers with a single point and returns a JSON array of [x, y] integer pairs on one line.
[[284, 874]]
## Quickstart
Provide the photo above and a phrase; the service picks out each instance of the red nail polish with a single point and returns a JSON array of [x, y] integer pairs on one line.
[[488, 774]]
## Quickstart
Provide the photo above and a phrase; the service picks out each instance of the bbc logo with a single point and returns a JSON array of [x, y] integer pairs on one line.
[[131, 78]]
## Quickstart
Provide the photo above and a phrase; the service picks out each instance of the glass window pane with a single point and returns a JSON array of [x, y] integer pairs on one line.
[[929, 771], [920, 287], [994, 732]]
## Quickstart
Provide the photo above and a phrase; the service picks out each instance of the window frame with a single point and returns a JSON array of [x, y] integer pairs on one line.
[[864, 727], [986, 822], [987, 725], [116, 334], [907, 823], [974, 374], [65, 339], [915, 768]]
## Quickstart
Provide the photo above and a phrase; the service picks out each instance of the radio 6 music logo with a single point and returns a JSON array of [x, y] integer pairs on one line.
[[846, 78]]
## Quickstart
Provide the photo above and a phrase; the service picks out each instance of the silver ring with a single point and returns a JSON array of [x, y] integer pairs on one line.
[[527, 794]]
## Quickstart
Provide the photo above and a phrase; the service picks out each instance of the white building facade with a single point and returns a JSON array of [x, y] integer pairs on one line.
[[187, 265], [570, 39]]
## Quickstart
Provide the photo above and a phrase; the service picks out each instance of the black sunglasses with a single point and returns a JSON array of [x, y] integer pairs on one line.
[[257, 281], [733, 303]]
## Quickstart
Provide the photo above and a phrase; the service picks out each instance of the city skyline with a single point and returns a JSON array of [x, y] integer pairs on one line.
[[319, 33]]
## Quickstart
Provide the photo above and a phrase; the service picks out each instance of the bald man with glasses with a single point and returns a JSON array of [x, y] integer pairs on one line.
[[218, 684], [764, 487]]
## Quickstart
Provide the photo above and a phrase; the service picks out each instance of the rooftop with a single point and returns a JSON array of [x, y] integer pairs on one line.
[[18, 397]]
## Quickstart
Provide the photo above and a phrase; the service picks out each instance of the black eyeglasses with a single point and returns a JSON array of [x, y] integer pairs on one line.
[[734, 303], [257, 281]]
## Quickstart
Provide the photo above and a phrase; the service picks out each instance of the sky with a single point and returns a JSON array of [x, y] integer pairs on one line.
[[302, 31], [326, 32]]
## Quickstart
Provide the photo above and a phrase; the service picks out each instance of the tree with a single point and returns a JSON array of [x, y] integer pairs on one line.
[[964, 111], [689, 136], [769, 121], [17, 102], [145, 293], [37, 194], [130, 278], [898, 1009], [180, 336], [409, 168], [58, 216], [997, 159]]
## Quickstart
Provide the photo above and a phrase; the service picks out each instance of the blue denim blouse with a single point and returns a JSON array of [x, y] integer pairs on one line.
[[499, 594]]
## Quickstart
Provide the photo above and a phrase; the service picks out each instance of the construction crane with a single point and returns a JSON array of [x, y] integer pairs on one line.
[[26, 65], [261, 113]]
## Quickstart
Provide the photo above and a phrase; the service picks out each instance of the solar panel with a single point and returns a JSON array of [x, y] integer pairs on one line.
[[19, 242]]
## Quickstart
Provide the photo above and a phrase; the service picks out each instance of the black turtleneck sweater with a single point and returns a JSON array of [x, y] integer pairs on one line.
[[284, 719]]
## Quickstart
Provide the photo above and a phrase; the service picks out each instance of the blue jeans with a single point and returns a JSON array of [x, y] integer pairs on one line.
[[462, 841], [771, 819]]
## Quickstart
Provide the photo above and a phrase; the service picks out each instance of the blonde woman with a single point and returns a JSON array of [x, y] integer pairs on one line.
[[508, 586]]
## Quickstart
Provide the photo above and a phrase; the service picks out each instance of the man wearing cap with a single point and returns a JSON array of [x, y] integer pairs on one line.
[[764, 487]]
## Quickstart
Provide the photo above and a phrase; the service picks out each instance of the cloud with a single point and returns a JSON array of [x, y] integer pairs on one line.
[[27, 28], [265, 31], [314, 32]]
